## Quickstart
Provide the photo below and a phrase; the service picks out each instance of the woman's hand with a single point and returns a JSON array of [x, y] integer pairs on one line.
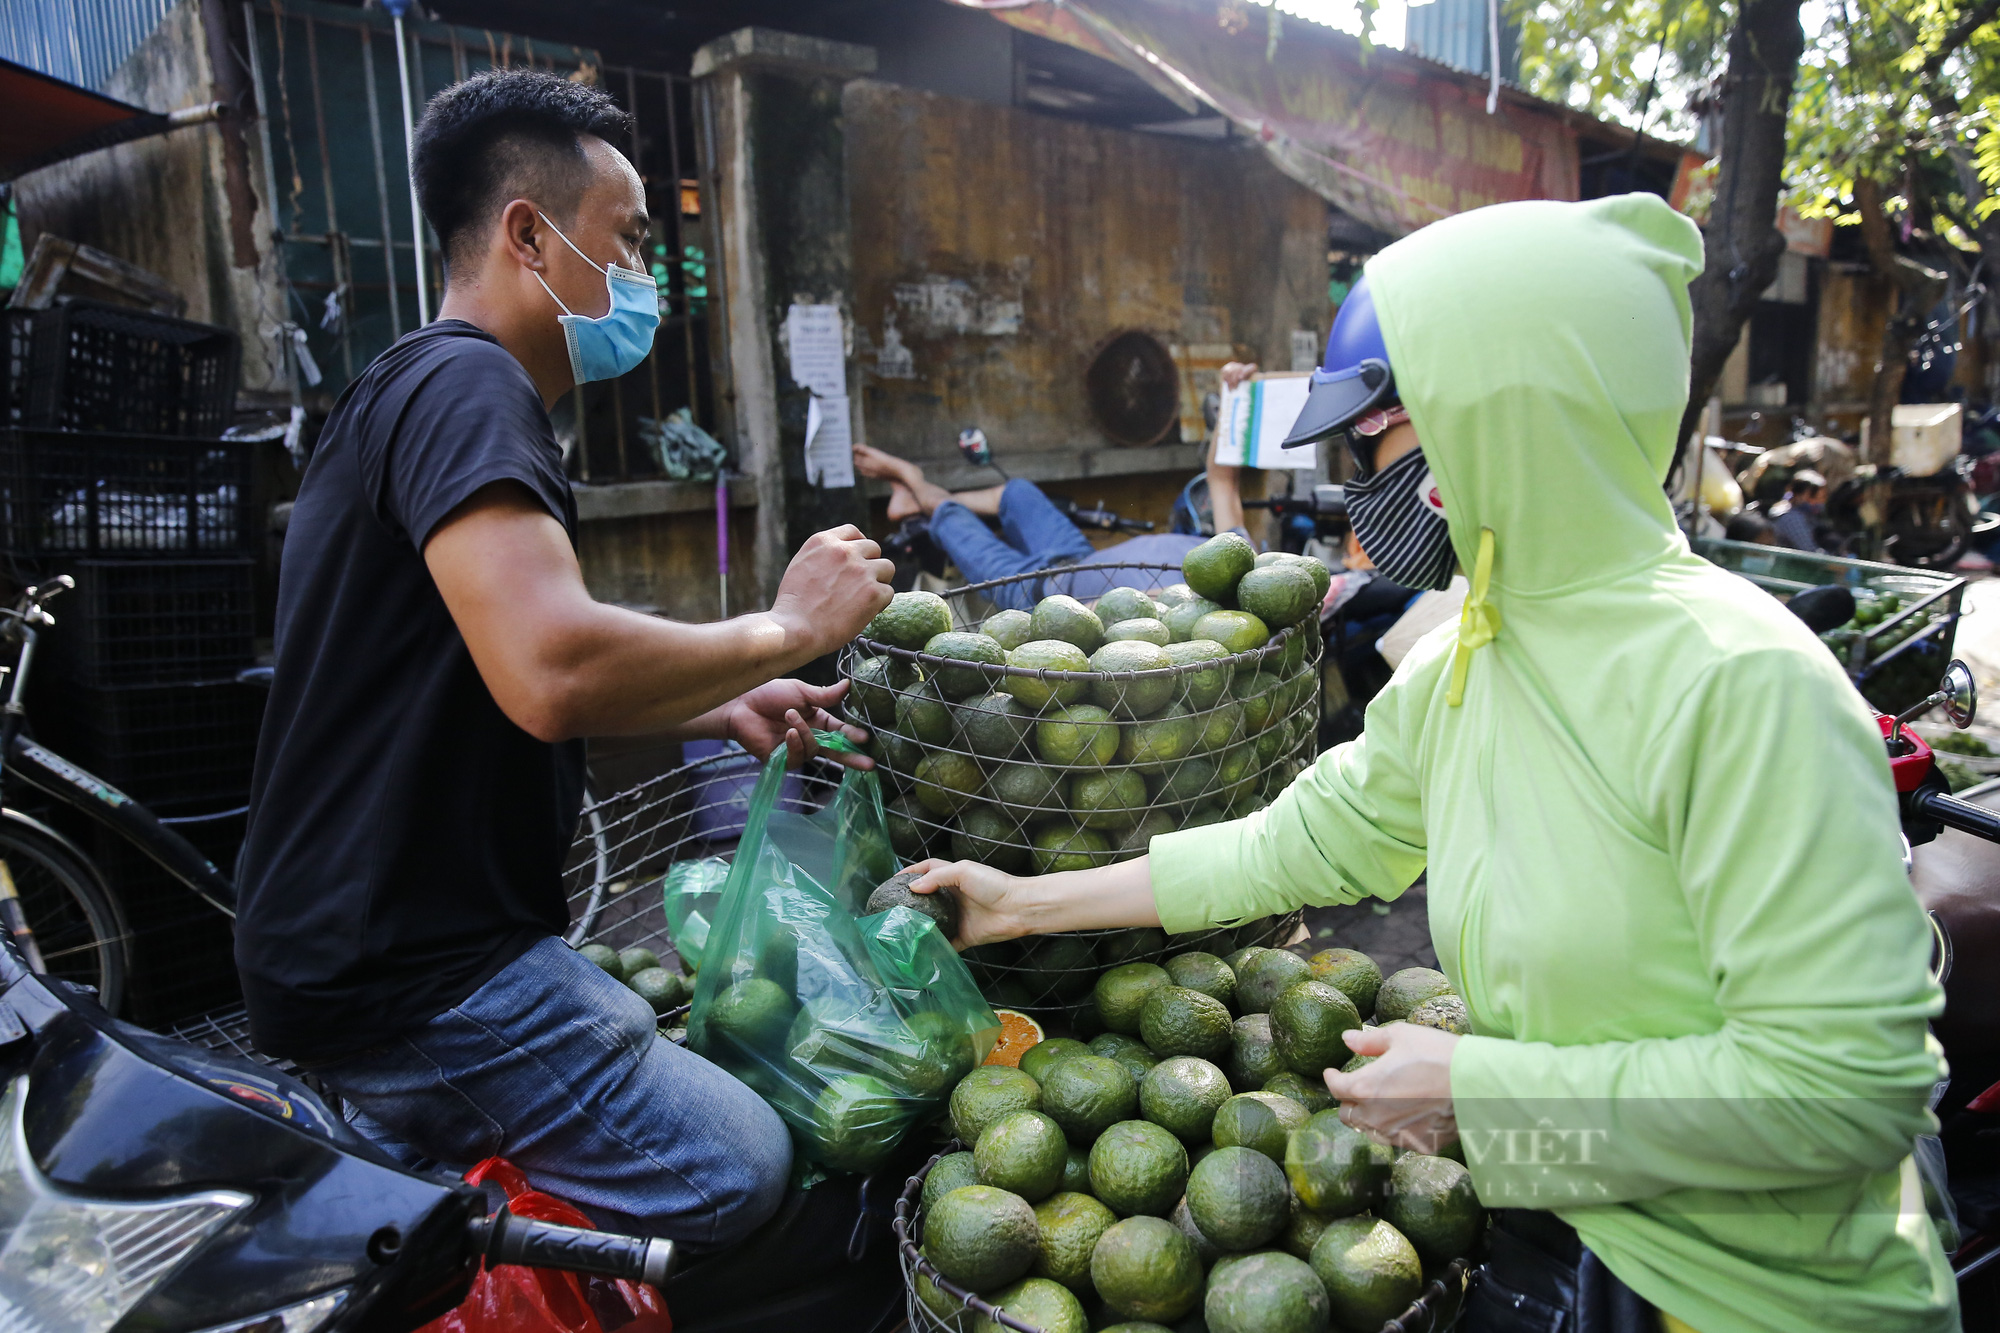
[[989, 901], [1404, 1097]]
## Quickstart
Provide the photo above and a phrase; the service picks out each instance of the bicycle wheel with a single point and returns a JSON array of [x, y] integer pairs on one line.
[[78, 928]]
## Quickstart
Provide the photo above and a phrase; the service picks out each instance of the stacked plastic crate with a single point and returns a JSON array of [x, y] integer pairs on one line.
[[113, 470]]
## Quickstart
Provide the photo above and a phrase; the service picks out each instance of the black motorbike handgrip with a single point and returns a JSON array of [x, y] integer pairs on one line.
[[507, 1239], [1961, 815]]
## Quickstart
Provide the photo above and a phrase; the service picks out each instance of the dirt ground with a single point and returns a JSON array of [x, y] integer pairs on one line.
[[1396, 935]]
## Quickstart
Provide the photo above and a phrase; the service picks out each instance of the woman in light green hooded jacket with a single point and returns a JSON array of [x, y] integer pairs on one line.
[[1661, 838]]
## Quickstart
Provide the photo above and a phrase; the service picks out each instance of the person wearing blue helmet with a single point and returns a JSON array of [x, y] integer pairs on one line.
[[1395, 510], [1661, 842]]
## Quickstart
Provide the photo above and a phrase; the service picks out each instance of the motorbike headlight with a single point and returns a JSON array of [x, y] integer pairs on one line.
[[70, 1264]]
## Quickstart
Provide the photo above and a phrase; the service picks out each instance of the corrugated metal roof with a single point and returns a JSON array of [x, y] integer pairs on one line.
[[79, 41], [1454, 32]]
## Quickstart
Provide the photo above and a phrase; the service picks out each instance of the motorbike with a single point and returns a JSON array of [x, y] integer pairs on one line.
[[147, 1183], [1875, 512], [1968, 1105]]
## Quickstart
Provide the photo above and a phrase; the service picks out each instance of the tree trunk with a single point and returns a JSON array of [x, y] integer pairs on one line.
[[1742, 242], [1919, 289]]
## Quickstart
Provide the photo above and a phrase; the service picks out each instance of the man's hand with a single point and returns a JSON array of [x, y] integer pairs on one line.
[[833, 588], [786, 712], [989, 901], [1404, 1097]]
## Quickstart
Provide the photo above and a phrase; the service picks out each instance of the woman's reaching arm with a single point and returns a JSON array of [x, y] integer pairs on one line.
[[997, 906]]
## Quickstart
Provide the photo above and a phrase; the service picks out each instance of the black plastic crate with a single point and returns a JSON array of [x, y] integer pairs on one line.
[[182, 743], [79, 493], [17, 345], [101, 367], [155, 622]]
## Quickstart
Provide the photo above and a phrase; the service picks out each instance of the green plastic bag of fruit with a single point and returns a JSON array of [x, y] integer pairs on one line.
[[691, 889], [852, 1027]]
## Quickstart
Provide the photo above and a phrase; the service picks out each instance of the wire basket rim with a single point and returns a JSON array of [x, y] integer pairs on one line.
[[1275, 644]]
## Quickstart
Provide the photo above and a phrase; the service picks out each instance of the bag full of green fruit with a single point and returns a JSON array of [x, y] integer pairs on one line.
[[853, 1023]]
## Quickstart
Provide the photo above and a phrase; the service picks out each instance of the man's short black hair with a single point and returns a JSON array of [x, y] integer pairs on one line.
[[507, 134]]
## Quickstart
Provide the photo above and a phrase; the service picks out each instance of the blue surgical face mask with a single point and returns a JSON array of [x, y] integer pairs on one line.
[[617, 341]]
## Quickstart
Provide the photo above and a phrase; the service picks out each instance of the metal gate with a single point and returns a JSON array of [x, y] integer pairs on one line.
[[333, 140]]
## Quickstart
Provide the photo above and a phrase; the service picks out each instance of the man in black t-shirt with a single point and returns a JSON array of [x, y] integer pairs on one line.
[[438, 662]]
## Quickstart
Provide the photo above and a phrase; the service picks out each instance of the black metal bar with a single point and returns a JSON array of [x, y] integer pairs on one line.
[[99, 800], [652, 350], [381, 179], [680, 238]]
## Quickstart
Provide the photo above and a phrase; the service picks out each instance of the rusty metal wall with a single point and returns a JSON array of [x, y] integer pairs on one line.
[[78, 41], [995, 249]]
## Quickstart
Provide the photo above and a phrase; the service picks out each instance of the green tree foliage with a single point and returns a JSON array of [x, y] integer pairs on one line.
[[1640, 63]]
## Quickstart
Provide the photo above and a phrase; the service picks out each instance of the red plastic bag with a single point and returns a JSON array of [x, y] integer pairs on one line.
[[507, 1298]]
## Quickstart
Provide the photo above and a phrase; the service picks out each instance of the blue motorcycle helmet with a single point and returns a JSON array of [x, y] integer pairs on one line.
[[1354, 377]]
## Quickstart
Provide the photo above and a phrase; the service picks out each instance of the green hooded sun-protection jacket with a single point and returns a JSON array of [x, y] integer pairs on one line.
[[1659, 826]]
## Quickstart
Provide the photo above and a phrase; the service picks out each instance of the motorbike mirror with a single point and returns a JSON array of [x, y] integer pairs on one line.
[[1827, 607], [1959, 694], [972, 443]]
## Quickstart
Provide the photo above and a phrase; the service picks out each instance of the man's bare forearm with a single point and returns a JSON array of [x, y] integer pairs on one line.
[[629, 674]]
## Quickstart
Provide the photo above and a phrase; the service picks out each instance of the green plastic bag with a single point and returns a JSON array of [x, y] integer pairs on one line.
[[853, 1027], [692, 889]]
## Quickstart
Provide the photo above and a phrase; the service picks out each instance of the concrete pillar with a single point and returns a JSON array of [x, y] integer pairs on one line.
[[774, 150]]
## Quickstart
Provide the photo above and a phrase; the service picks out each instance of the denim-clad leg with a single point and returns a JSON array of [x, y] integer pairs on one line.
[[559, 1069], [1036, 536]]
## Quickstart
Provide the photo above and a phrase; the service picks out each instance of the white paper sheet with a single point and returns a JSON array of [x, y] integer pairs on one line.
[[829, 442], [1253, 420], [819, 361], [1275, 406]]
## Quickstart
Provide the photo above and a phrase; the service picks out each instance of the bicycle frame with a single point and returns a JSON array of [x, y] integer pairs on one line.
[[52, 775]]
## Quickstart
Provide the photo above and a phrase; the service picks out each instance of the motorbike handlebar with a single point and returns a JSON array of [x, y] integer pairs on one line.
[[506, 1239], [1954, 813]]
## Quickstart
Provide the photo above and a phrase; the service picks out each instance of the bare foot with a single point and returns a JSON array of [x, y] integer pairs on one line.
[[902, 504], [872, 462]]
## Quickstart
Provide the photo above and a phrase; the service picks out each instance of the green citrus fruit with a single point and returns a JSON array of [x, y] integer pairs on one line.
[[1082, 736], [1236, 631], [1214, 568], [1063, 846], [961, 646], [1007, 628], [981, 1237], [1063, 617], [910, 620], [1144, 1268], [1046, 655], [1021, 1152], [1108, 799]]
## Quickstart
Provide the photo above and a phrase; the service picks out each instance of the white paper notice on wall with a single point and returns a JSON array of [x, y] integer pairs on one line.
[[829, 442], [1253, 420], [819, 358]]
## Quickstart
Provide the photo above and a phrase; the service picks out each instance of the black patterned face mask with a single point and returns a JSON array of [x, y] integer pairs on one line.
[[1399, 521]]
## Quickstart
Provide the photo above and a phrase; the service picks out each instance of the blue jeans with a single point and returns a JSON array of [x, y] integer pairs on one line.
[[1037, 535], [556, 1067]]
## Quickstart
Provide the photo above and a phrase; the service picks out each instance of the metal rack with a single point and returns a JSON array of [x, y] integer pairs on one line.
[[1921, 630]]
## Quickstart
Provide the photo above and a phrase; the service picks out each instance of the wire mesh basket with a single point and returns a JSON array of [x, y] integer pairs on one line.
[[1435, 1310], [1030, 769]]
